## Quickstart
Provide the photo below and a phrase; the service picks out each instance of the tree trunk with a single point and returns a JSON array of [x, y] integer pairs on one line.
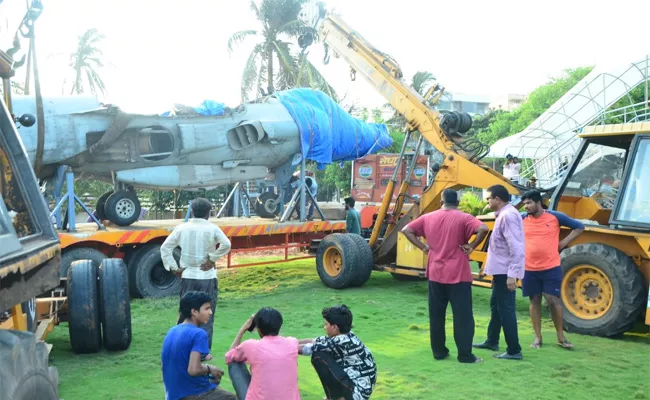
[[269, 70]]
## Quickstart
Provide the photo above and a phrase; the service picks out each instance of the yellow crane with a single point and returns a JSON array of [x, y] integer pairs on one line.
[[612, 255]]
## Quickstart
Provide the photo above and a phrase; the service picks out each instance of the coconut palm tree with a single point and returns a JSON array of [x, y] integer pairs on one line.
[[86, 61], [271, 64]]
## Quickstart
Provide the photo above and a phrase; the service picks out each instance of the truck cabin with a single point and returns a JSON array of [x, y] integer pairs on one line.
[[608, 181]]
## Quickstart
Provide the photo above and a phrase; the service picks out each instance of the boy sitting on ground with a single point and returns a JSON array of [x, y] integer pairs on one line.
[[183, 374], [273, 360], [345, 366]]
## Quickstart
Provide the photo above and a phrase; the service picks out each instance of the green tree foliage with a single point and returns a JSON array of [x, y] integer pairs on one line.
[[504, 124], [86, 61], [472, 204], [279, 23]]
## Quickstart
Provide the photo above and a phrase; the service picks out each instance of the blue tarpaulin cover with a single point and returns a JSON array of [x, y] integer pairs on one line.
[[328, 133]]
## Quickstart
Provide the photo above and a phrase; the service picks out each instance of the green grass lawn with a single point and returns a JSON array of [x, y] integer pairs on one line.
[[391, 318]]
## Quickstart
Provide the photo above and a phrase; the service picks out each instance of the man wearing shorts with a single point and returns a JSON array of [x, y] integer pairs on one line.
[[543, 272]]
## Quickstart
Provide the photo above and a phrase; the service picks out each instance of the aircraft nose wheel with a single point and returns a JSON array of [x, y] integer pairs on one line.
[[122, 208]]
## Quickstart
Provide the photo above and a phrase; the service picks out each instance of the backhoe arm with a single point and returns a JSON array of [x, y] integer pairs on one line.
[[456, 171]]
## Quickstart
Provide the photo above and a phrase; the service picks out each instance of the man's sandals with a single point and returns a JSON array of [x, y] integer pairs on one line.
[[565, 344]]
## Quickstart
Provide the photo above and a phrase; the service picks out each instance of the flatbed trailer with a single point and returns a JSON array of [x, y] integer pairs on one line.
[[139, 246]]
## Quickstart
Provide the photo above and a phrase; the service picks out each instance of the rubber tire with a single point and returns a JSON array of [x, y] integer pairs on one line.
[[350, 254], [80, 253], [83, 307], [24, 370], [366, 261], [149, 260], [263, 211], [132, 265], [111, 205], [100, 206], [627, 284], [115, 304]]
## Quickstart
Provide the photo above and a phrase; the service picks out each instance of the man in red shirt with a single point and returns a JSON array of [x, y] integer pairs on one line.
[[447, 232], [543, 272]]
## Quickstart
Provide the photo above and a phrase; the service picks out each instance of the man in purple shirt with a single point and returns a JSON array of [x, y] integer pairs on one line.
[[506, 263]]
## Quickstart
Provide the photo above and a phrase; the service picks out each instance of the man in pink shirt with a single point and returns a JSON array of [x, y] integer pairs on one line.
[[273, 360], [505, 262], [447, 232]]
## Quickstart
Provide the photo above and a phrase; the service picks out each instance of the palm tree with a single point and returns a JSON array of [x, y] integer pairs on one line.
[[278, 24], [86, 61]]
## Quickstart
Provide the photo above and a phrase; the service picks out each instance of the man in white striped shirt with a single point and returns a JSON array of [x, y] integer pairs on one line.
[[198, 239]]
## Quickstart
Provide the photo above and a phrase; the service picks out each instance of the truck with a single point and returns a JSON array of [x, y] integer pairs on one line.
[[607, 271]]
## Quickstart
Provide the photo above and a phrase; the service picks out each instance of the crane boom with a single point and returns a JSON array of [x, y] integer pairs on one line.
[[458, 168]]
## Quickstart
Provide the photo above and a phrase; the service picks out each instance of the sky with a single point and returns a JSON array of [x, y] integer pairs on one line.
[[160, 52]]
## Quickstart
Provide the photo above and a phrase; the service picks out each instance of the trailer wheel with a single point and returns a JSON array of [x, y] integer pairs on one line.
[[80, 253], [336, 260], [29, 309], [152, 279], [24, 370], [83, 307], [602, 290], [132, 266], [268, 205], [100, 206], [366, 261], [122, 208], [115, 304]]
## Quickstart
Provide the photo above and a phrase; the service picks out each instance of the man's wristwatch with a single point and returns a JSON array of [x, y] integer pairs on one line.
[[209, 370]]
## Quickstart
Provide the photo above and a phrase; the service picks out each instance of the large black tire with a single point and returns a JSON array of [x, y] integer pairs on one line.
[[80, 253], [100, 206], [115, 304], [152, 279], [24, 370], [132, 265], [366, 262], [267, 205], [122, 208], [626, 288], [337, 260], [83, 307]]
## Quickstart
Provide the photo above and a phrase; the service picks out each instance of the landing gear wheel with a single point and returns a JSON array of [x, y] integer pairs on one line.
[[83, 307], [268, 205], [366, 263], [151, 277], [602, 290], [115, 304], [122, 208], [100, 206], [337, 260], [24, 370]]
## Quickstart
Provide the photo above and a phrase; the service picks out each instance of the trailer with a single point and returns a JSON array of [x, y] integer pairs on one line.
[[139, 246]]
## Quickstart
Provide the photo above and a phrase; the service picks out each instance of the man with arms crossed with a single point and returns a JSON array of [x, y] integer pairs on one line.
[[447, 232], [505, 262], [198, 239], [184, 376], [543, 271]]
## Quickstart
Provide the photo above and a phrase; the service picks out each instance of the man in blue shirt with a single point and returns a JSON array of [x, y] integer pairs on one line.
[[183, 374], [352, 218]]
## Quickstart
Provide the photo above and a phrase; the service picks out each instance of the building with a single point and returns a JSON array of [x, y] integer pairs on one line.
[[507, 102], [471, 104]]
